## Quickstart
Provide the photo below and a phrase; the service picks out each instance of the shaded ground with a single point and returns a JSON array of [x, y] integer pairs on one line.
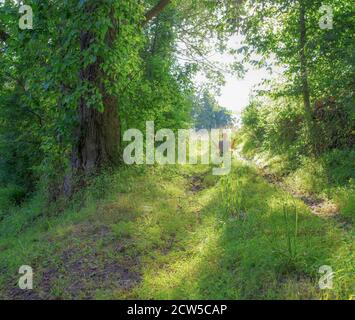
[[173, 233], [85, 268]]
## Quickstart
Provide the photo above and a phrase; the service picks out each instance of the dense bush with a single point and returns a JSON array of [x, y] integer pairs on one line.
[[10, 195], [277, 127], [339, 165], [333, 124], [280, 127]]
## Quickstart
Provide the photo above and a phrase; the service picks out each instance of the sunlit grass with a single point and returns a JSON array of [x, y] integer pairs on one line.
[[235, 237]]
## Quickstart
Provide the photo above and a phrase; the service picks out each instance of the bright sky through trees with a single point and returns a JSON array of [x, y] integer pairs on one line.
[[236, 93]]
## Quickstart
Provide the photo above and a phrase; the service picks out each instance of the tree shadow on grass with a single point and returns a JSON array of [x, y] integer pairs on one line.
[[250, 257]]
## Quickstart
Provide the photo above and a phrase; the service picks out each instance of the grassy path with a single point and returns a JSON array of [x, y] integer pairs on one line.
[[176, 233], [324, 208]]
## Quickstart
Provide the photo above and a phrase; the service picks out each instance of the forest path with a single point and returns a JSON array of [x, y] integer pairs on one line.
[[324, 208], [177, 232]]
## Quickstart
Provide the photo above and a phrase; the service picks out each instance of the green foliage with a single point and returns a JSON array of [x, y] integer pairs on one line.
[[10, 196], [279, 120], [340, 166], [159, 91], [237, 238], [288, 250], [186, 246], [345, 199], [44, 75], [123, 229], [278, 127], [233, 198], [309, 178], [272, 29], [207, 114]]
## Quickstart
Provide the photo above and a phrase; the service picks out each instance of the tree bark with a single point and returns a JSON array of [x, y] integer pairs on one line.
[[156, 10], [304, 77], [98, 133], [303, 58]]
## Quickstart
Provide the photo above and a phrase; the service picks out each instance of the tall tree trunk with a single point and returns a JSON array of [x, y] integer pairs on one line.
[[303, 57], [304, 73], [98, 134]]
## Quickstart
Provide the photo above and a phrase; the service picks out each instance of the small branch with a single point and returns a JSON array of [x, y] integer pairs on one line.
[[156, 10], [40, 120]]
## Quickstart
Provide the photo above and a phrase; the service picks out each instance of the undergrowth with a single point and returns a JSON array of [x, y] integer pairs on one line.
[[149, 233]]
